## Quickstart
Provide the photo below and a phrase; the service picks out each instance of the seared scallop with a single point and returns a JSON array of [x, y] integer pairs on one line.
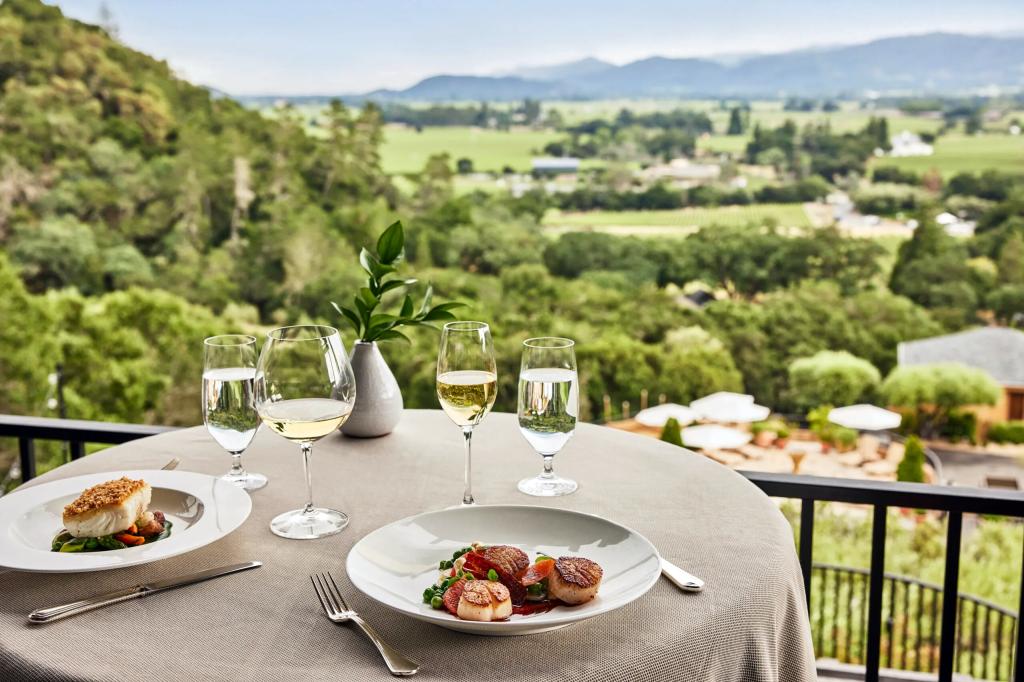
[[484, 600], [508, 558], [575, 580]]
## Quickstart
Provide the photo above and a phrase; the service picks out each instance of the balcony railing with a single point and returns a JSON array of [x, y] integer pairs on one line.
[[946, 606]]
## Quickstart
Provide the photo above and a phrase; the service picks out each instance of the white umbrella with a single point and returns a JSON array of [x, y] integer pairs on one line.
[[865, 418], [730, 407], [714, 437], [657, 416]]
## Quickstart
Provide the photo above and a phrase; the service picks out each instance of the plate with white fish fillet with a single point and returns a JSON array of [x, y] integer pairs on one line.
[[110, 520], [504, 569]]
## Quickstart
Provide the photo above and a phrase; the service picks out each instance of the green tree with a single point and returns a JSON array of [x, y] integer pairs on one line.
[[671, 433], [1007, 303], [931, 270], [28, 345], [831, 378], [1011, 261], [911, 467], [736, 126], [933, 391]]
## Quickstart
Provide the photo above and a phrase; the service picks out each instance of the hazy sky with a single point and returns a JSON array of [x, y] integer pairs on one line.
[[324, 46]]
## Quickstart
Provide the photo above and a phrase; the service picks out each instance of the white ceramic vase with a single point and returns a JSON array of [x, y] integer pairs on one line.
[[378, 399]]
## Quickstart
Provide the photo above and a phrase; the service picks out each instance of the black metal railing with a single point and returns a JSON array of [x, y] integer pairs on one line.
[[954, 620], [881, 496], [910, 624], [76, 433]]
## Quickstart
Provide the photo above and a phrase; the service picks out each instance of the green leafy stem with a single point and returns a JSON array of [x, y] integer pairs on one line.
[[381, 267]]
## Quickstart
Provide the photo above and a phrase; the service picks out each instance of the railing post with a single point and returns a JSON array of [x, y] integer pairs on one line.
[[950, 597], [27, 453], [77, 449], [807, 545], [874, 643], [1018, 664]]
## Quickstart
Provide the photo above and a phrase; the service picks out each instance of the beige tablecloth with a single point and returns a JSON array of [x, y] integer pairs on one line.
[[748, 625]]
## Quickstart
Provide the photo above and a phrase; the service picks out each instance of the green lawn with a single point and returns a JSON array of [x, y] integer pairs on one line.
[[957, 153], [679, 222], [405, 150]]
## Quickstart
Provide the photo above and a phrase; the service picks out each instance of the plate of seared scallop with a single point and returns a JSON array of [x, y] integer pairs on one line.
[[503, 569], [104, 521]]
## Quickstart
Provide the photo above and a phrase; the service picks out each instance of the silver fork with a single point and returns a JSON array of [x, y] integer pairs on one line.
[[338, 612]]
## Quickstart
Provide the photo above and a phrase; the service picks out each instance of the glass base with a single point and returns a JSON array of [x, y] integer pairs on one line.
[[547, 486], [302, 525], [246, 481]]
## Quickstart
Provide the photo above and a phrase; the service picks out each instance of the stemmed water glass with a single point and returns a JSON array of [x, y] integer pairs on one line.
[[229, 408], [467, 382], [305, 390], [548, 406]]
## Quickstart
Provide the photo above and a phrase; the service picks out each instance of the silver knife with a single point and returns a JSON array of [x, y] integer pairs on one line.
[[57, 612], [683, 580]]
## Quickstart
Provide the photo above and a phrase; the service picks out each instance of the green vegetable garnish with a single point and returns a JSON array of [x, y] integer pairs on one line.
[[492, 575], [436, 602], [535, 589]]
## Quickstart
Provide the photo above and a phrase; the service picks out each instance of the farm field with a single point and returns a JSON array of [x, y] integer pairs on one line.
[[956, 153], [405, 150], [675, 223]]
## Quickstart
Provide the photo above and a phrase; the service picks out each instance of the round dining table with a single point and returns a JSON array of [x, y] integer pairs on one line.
[[748, 624]]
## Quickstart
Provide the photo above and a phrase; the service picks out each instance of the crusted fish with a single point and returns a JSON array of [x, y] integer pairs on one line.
[[107, 508]]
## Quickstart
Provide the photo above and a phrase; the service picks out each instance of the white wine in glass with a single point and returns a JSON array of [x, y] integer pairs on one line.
[[305, 390], [548, 407], [229, 405], [467, 383]]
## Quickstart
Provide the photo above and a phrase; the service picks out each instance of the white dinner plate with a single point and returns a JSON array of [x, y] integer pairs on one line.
[[202, 508], [396, 563]]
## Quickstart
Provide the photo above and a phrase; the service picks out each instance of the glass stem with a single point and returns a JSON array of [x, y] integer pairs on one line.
[[307, 450], [467, 495], [549, 469], [236, 464]]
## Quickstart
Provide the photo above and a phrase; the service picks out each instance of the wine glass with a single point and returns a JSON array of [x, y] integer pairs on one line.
[[548, 405], [305, 390], [229, 407], [467, 382]]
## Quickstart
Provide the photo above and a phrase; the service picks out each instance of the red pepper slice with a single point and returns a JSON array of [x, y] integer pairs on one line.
[[534, 573]]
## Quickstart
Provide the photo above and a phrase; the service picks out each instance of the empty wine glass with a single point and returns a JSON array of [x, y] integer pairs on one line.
[[467, 382], [548, 406], [305, 390], [229, 407]]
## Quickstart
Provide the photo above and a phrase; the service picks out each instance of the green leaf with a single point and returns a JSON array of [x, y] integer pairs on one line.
[[427, 298], [392, 334], [391, 243], [437, 314], [382, 319], [369, 299], [394, 284], [349, 315], [367, 260], [407, 307], [451, 305]]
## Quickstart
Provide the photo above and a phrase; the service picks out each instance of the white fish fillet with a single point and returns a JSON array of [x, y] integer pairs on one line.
[[107, 508]]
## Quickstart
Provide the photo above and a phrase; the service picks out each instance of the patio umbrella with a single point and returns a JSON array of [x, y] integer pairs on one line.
[[730, 407], [714, 437], [657, 416], [865, 418]]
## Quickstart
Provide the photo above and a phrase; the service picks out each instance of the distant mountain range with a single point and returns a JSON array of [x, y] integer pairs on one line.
[[938, 63]]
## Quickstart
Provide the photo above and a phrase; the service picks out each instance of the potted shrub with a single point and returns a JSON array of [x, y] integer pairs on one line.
[[764, 433], [378, 406], [782, 434]]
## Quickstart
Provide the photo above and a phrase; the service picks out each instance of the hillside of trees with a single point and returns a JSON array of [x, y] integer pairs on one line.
[[139, 214]]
